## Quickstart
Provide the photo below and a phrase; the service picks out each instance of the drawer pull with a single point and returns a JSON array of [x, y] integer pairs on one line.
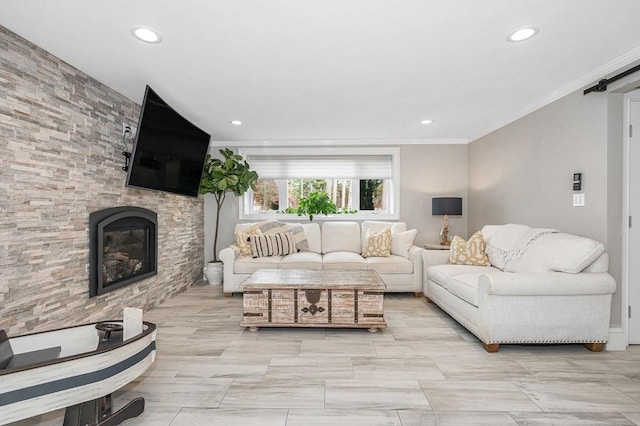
[[252, 314]]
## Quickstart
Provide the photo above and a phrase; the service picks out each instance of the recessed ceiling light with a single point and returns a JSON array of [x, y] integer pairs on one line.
[[236, 122], [523, 34], [146, 34], [426, 122]]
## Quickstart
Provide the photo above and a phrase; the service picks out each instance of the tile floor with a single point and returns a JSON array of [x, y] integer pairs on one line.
[[424, 369]]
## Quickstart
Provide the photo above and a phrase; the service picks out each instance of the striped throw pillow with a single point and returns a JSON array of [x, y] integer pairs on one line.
[[272, 244]]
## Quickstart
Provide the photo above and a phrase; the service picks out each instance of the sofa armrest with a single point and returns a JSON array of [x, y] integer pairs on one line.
[[546, 284], [434, 257], [415, 254], [227, 256]]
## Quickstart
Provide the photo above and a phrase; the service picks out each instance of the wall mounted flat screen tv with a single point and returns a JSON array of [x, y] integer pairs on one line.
[[168, 152]]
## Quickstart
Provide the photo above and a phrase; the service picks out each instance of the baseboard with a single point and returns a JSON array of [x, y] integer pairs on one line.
[[617, 340]]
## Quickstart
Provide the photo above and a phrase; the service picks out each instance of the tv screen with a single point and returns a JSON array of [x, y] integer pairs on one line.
[[168, 152]]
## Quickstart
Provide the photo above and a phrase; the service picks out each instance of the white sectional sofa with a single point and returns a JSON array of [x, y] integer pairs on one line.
[[542, 287], [336, 245]]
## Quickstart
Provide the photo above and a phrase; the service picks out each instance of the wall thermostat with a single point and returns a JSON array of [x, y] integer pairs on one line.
[[577, 181]]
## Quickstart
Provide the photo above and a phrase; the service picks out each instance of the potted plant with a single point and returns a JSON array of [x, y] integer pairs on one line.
[[316, 203], [220, 176]]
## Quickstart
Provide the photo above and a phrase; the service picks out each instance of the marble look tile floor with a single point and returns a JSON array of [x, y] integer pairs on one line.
[[423, 370]]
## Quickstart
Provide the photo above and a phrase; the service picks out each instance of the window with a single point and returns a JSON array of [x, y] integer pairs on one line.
[[361, 184]]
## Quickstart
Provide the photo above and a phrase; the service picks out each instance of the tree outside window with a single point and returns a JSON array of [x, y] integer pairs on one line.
[[371, 194], [285, 195]]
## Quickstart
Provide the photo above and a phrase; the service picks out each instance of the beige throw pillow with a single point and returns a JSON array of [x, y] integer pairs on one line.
[[401, 242], [377, 244], [242, 240], [470, 252]]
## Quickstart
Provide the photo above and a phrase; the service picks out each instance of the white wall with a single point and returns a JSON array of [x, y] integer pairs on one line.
[[522, 173], [432, 171]]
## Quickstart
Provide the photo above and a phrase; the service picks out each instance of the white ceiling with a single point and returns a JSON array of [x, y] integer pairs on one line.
[[339, 70]]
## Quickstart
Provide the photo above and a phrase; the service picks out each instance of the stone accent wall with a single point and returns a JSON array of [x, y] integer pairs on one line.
[[60, 159]]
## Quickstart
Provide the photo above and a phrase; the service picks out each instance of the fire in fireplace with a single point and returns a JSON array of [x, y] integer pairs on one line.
[[123, 247]]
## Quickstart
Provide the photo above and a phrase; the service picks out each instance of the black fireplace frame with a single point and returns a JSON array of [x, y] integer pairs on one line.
[[98, 221]]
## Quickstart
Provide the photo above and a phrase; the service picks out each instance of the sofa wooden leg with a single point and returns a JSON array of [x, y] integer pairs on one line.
[[418, 294], [428, 300], [594, 347], [491, 348], [228, 295]]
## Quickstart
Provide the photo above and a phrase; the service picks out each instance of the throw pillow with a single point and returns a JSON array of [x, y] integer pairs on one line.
[[470, 252], [275, 227], [242, 240], [401, 242], [556, 252], [272, 244], [377, 244]]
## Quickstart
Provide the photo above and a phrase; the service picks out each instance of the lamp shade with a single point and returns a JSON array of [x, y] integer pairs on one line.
[[441, 206]]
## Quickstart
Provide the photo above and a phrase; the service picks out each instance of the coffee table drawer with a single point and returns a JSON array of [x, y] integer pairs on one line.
[[369, 306], [313, 307], [268, 306]]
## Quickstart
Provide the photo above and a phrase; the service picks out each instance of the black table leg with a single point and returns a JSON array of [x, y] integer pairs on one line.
[[98, 412]]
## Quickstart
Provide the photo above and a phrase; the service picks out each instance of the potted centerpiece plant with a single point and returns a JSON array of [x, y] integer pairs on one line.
[[228, 174], [316, 203]]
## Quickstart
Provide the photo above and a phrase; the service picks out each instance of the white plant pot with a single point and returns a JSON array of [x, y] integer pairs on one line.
[[213, 273]]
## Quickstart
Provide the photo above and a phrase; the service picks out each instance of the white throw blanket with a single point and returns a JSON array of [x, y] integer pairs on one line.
[[526, 242], [511, 242]]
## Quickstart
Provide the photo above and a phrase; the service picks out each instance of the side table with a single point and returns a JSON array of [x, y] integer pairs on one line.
[[436, 247]]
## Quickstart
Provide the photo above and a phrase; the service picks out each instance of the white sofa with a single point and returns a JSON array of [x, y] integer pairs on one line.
[[542, 287], [335, 245]]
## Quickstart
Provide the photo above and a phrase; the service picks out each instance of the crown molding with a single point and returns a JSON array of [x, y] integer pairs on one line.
[[338, 142], [589, 79]]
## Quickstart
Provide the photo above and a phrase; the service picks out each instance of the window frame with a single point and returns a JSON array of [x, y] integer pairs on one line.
[[392, 186]]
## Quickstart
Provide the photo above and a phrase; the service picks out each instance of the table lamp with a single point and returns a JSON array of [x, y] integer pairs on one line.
[[446, 206]]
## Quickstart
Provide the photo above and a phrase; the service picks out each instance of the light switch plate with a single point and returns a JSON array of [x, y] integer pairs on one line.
[[578, 200]]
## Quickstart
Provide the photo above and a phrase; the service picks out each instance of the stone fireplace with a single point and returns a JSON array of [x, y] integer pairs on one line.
[[123, 247]]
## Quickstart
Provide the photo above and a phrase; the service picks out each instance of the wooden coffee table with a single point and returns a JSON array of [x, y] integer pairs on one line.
[[313, 298]]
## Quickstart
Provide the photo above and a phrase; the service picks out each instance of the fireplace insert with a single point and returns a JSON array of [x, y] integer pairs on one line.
[[123, 247]]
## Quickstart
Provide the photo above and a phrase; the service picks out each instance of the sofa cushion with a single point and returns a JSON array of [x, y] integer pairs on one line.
[[556, 252], [341, 237], [390, 265], [465, 286], [377, 226], [377, 243], [302, 260], [401, 242], [248, 265], [470, 252], [601, 264], [342, 260], [441, 273], [312, 231], [272, 244]]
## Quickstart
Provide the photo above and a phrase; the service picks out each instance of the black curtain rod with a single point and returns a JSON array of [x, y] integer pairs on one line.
[[602, 84]]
